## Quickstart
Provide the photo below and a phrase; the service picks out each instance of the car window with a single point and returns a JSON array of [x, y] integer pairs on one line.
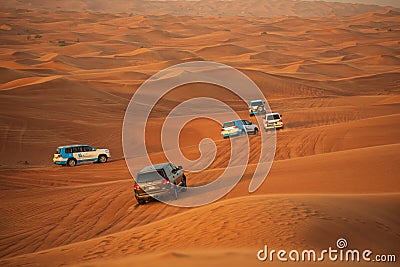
[[168, 169], [87, 148], [77, 149], [68, 150], [246, 122], [270, 117], [151, 176], [258, 103], [277, 117], [228, 124]]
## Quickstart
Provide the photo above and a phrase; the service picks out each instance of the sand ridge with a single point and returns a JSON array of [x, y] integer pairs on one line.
[[67, 77]]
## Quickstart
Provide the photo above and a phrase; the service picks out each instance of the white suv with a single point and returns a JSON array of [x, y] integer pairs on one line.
[[74, 154], [273, 121]]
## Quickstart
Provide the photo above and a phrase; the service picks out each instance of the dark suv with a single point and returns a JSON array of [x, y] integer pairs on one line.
[[159, 180]]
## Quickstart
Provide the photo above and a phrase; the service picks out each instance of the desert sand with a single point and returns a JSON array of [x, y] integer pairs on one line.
[[67, 77], [257, 8]]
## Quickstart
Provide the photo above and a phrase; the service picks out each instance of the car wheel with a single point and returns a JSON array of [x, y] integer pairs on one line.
[[174, 192], [140, 201], [255, 131], [184, 185], [71, 162], [102, 159]]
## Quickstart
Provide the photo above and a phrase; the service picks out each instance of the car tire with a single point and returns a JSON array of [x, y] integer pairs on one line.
[[184, 184], [255, 131], [71, 162], [102, 159], [140, 201]]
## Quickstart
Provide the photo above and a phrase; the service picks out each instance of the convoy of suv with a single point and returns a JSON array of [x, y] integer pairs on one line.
[[165, 179], [256, 107]]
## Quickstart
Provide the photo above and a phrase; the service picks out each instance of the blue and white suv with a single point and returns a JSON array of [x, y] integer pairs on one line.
[[75, 154], [257, 107], [238, 127]]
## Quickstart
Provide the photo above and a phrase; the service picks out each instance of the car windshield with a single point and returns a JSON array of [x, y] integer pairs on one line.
[[256, 103], [228, 124], [150, 176], [273, 117]]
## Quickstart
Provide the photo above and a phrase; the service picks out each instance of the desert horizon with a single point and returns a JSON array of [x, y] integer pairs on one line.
[[68, 74]]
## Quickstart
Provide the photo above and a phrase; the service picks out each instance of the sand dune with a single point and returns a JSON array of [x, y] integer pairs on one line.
[[380, 60], [293, 221], [222, 50], [26, 82], [371, 83], [57, 65], [330, 70], [284, 178], [23, 55], [371, 50], [389, 101], [156, 54], [67, 77], [8, 75], [274, 58], [207, 8]]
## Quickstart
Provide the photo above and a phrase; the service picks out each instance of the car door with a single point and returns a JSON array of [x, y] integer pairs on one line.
[[89, 153], [240, 125], [82, 154], [67, 153], [248, 126], [78, 155]]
